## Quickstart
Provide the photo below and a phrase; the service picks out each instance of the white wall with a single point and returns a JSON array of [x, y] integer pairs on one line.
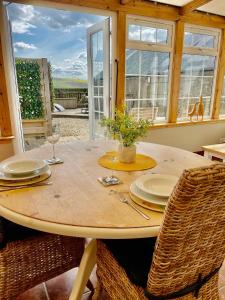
[[188, 137]]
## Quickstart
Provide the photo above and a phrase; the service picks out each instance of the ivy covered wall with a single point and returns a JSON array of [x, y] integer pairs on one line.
[[29, 86]]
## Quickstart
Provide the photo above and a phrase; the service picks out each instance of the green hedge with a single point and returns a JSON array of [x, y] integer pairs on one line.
[[29, 85]]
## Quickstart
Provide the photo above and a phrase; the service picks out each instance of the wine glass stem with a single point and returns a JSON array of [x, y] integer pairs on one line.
[[53, 148]]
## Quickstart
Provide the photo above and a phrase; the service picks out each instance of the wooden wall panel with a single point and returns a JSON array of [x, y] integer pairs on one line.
[[219, 79], [121, 55], [176, 70]]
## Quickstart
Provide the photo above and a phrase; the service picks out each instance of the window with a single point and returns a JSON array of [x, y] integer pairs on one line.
[[148, 60], [198, 69], [222, 103]]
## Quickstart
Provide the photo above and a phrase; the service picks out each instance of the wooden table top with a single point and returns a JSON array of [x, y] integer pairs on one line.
[[216, 149], [77, 204]]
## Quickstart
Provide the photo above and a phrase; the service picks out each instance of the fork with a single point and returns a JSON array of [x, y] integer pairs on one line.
[[25, 186], [124, 199]]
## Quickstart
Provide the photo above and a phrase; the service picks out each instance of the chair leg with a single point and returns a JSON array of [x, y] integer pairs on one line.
[[98, 291]]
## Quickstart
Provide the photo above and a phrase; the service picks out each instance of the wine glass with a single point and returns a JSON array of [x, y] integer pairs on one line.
[[53, 137]]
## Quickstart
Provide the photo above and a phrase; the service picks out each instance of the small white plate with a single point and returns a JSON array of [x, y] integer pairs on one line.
[[22, 167], [151, 199], [24, 177], [160, 185]]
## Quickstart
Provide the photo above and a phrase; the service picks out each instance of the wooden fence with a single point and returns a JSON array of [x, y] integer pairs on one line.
[[71, 98]]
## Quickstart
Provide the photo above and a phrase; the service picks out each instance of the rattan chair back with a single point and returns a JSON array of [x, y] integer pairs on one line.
[[191, 241]]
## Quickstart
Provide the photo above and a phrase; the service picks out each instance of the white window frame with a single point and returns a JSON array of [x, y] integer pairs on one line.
[[154, 23], [216, 33], [204, 51], [154, 47]]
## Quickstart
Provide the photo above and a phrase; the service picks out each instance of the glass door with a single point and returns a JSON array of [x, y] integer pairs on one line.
[[98, 55]]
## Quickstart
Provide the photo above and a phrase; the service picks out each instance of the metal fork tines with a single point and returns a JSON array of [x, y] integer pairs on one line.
[[11, 188], [123, 198]]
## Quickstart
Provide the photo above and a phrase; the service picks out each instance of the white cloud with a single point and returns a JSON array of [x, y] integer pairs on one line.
[[67, 60], [21, 27], [25, 46]]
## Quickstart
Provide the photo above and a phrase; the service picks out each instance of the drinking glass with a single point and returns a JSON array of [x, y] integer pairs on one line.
[[52, 138]]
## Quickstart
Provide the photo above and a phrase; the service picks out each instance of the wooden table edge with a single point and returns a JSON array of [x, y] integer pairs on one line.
[[212, 151], [79, 231]]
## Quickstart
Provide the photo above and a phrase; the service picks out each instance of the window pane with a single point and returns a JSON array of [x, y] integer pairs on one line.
[[134, 32], [162, 36], [199, 40], [132, 85], [222, 104], [197, 75], [132, 68], [147, 34], [147, 92]]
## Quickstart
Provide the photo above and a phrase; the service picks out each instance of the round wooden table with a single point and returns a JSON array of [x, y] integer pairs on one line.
[[76, 204]]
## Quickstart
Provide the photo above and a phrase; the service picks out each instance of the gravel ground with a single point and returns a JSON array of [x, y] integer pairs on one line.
[[71, 129]]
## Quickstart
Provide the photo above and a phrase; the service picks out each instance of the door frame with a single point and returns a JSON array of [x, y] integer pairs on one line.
[[105, 27], [15, 118], [11, 81]]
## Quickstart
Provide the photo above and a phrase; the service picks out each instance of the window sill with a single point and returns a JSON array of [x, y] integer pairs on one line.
[[6, 139], [187, 123]]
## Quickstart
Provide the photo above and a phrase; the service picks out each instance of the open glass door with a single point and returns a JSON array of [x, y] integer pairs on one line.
[[12, 87], [98, 56]]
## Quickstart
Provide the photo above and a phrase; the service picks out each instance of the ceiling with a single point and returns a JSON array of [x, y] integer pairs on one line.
[[214, 7]]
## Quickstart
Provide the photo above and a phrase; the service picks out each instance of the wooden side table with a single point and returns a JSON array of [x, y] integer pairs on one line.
[[217, 150]]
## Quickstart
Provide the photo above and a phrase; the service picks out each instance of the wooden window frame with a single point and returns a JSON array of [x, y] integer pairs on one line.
[[150, 10]]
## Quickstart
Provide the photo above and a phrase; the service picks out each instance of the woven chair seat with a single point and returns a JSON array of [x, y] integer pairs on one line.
[[190, 244], [26, 263]]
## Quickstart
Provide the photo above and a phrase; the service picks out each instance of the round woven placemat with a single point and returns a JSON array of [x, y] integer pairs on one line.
[[110, 161]]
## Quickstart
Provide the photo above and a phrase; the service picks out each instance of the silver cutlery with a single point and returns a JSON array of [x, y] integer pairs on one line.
[[123, 198], [11, 188]]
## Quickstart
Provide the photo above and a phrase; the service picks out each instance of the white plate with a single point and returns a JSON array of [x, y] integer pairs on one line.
[[24, 177], [157, 184], [156, 207], [39, 178], [151, 199], [23, 167]]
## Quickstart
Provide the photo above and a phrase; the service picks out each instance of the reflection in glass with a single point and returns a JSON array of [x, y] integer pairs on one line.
[[147, 34], [222, 103], [199, 40], [134, 32], [197, 73], [147, 83]]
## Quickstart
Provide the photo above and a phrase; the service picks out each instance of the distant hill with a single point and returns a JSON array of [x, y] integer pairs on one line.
[[69, 83]]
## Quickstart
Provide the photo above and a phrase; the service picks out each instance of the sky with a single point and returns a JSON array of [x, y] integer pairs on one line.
[[58, 35]]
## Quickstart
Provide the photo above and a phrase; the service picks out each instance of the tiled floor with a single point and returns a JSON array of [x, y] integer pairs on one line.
[[60, 287]]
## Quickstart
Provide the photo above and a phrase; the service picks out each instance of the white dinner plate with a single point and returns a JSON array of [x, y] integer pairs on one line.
[[151, 199], [36, 179], [160, 185], [24, 177], [22, 167]]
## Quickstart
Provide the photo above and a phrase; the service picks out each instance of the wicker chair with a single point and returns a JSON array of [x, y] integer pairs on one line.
[[28, 262], [191, 243]]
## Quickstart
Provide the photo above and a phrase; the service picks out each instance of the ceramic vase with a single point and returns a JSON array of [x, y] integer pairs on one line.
[[127, 154]]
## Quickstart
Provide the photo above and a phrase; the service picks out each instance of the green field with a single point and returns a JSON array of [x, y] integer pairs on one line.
[[69, 83]]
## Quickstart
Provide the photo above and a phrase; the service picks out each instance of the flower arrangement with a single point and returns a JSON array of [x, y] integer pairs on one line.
[[125, 128]]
